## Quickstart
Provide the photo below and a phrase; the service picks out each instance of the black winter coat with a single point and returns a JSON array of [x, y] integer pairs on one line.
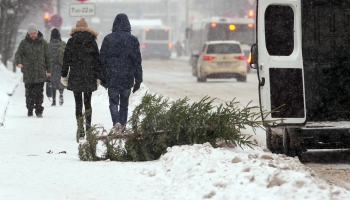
[[56, 66], [80, 61], [120, 56]]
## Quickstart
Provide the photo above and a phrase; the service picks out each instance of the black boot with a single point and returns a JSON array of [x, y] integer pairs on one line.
[[61, 98], [30, 113], [88, 121], [53, 98], [80, 128]]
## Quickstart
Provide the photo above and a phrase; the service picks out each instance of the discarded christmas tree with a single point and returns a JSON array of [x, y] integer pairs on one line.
[[157, 124]]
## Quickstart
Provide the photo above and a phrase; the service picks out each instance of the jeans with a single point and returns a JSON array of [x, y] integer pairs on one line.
[[119, 97], [78, 96], [34, 97]]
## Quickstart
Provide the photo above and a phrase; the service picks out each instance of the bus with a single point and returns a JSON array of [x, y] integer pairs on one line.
[[156, 42], [218, 28]]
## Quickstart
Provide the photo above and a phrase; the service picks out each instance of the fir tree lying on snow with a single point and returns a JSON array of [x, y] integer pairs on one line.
[[157, 124]]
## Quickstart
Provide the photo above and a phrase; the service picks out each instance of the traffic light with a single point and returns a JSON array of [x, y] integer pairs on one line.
[[251, 14], [47, 17]]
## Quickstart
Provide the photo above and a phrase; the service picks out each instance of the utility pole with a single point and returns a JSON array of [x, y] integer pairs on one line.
[[58, 4], [187, 12], [168, 12]]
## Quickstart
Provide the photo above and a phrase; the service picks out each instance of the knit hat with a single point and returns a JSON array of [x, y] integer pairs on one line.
[[32, 28], [55, 34], [82, 23]]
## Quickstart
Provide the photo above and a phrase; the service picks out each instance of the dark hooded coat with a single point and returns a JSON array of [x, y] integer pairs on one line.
[[120, 56], [55, 43], [80, 61], [34, 55]]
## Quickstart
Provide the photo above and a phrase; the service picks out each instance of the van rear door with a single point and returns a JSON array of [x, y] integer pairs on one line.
[[280, 69]]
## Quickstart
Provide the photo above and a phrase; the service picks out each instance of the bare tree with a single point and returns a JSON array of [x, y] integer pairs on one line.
[[12, 13]]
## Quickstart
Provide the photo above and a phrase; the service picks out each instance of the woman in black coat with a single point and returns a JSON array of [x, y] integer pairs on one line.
[[80, 71], [55, 43]]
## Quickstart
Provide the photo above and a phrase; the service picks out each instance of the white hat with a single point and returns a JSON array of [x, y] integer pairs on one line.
[[32, 28]]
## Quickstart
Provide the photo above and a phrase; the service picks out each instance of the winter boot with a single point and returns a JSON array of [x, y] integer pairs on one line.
[[88, 114], [118, 128], [61, 100], [53, 98], [80, 128], [30, 113]]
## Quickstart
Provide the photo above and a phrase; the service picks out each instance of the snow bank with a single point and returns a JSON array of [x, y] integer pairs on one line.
[[8, 84], [9, 80], [204, 172]]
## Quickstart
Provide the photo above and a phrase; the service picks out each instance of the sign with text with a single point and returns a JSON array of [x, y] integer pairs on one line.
[[83, 9]]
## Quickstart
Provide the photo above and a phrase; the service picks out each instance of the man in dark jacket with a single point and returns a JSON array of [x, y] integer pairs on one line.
[[120, 60], [33, 57]]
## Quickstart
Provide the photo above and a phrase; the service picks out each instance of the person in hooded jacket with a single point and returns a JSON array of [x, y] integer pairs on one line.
[[55, 43], [33, 58], [80, 71], [121, 69]]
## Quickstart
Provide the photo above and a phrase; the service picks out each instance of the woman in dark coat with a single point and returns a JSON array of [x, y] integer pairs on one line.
[[55, 43], [80, 71]]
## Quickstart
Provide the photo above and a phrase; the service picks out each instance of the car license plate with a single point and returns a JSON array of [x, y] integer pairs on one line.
[[224, 64]]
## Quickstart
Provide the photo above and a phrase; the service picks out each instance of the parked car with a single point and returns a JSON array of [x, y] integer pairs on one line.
[[222, 59]]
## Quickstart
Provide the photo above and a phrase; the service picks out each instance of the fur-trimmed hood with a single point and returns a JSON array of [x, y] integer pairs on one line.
[[81, 29]]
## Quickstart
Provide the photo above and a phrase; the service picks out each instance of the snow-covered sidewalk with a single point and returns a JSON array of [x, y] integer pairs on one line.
[[28, 171]]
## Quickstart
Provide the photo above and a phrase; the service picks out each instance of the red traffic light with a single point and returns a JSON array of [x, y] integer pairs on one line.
[[47, 16], [82, 0]]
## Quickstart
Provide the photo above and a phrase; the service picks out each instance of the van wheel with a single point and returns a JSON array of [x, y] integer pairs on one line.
[[274, 142]]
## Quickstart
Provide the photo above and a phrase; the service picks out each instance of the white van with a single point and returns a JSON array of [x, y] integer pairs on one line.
[[302, 57]]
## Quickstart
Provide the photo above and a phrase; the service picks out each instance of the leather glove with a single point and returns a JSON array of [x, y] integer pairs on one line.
[[64, 81], [98, 82], [136, 87]]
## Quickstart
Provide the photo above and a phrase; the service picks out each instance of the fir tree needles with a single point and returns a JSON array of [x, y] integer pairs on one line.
[[157, 124]]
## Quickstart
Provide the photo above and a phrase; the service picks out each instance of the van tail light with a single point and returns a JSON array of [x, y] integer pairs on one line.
[[208, 57], [170, 45], [143, 46], [240, 57]]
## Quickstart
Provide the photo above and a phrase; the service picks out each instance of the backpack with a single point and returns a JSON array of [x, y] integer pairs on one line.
[[60, 52]]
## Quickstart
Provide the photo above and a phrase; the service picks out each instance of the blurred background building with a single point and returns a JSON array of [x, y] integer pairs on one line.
[[177, 14]]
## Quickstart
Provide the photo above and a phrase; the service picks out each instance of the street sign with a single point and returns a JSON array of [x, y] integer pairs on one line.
[[56, 21], [83, 9]]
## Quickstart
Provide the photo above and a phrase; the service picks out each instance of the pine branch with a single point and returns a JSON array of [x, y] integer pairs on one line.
[[157, 124]]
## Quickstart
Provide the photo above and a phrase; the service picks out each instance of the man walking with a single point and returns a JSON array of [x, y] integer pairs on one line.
[[33, 57], [120, 60]]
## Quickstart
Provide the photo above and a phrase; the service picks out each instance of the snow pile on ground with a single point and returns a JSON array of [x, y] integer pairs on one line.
[[200, 171], [8, 83], [9, 80], [4, 99]]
